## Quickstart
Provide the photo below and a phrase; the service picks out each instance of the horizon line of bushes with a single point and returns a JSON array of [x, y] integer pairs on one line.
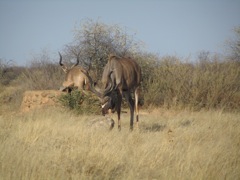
[[167, 82]]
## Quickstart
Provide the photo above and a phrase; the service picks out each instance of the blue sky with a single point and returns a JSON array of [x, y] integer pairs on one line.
[[168, 27]]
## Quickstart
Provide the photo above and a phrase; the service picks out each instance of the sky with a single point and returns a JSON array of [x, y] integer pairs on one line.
[[167, 27]]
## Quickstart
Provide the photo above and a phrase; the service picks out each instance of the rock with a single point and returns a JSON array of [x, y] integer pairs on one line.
[[101, 122]]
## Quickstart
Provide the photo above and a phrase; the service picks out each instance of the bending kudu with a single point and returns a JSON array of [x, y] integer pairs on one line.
[[121, 77], [74, 76]]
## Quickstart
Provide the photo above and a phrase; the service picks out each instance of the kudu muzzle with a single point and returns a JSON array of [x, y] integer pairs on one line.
[[108, 105]]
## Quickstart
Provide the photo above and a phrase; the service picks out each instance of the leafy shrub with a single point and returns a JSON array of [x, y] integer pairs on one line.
[[81, 102]]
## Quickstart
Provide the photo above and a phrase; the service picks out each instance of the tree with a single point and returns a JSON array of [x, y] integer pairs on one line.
[[94, 41]]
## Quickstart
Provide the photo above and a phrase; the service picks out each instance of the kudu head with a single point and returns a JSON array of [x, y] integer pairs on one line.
[[67, 86], [108, 102], [106, 95], [64, 67]]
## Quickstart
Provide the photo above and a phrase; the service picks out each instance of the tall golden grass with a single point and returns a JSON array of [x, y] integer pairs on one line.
[[56, 144]]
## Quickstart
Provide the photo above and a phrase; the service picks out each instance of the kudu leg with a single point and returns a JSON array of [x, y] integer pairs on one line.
[[136, 93], [130, 101], [118, 108]]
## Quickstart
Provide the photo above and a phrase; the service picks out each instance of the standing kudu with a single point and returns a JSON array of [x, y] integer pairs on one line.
[[74, 76], [121, 77]]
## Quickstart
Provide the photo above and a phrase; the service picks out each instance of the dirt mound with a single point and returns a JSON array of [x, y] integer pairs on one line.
[[38, 99]]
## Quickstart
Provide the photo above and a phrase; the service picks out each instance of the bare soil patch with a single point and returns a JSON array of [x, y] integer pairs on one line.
[[37, 99]]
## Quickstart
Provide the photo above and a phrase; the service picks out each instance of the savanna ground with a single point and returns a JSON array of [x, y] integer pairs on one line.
[[54, 143]]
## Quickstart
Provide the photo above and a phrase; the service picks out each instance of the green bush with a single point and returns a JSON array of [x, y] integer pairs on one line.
[[81, 102]]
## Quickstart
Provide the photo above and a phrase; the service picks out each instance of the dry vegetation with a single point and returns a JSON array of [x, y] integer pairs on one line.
[[205, 84], [189, 118], [56, 144]]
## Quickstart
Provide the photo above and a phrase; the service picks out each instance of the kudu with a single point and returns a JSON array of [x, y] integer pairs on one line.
[[74, 76], [121, 77]]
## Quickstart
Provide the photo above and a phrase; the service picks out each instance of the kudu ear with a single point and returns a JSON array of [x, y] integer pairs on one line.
[[64, 68]]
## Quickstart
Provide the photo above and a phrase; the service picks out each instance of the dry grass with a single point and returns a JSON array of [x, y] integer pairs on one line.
[[46, 144], [210, 84]]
